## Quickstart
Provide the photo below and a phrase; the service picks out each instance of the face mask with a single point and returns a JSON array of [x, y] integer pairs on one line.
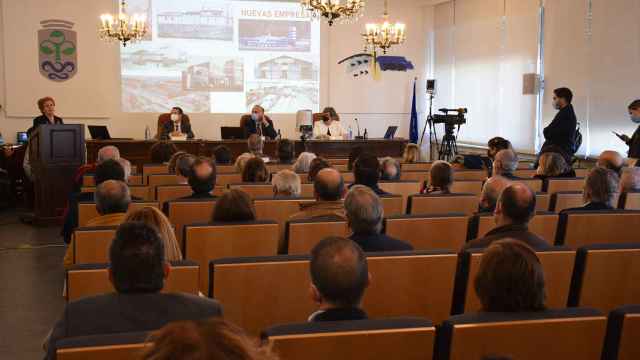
[[175, 117], [635, 119], [255, 116]]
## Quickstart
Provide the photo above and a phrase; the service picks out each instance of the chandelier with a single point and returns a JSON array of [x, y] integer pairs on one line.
[[334, 9], [122, 28], [383, 35]]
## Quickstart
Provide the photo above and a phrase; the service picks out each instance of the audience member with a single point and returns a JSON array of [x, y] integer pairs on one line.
[[171, 166], [630, 180], [611, 160], [234, 206], [126, 167], [510, 278], [390, 169], [112, 202], [497, 144], [255, 171], [137, 271], [600, 189], [552, 164], [515, 208], [339, 278], [206, 339], [353, 156], [286, 151], [255, 145], [328, 189], [286, 183], [202, 179], [505, 164], [364, 217], [184, 168], [304, 162], [155, 218], [162, 151], [105, 153], [222, 155], [366, 171], [241, 161], [411, 154], [317, 164], [440, 178], [491, 191]]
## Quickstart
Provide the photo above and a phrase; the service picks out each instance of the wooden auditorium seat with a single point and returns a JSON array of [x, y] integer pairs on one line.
[[87, 210], [91, 244], [302, 235], [205, 243], [581, 172], [543, 224], [156, 180], [534, 184], [555, 185], [623, 332], [90, 181], [420, 176], [266, 190], [122, 346], [275, 289], [139, 191], [426, 232], [443, 204], [525, 173], [279, 210], [478, 175], [189, 211], [566, 200], [165, 193], [347, 177], [606, 276], [406, 338], [404, 188], [576, 228], [630, 201], [393, 205], [226, 169], [93, 279], [148, 169], [467, 187], [542, 201], [419, 166], [226, 179]]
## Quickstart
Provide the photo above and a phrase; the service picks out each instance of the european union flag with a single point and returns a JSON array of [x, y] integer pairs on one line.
[[413, 125]]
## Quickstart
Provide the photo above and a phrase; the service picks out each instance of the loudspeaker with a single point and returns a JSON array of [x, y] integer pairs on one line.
[[431, 86]]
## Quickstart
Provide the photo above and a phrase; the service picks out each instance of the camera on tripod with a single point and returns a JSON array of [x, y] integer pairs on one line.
[[451, 120], [449, 145]]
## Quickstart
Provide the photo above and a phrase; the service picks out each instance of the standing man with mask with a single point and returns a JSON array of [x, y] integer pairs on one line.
[[634, 141], [560, 135], [258, 123]]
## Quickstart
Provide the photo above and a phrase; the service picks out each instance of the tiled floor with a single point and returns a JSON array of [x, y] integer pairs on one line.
[[31, 280]]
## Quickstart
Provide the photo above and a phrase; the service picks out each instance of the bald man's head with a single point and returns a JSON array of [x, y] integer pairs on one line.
[[491, 191], [202, 178], [112, 196], [517, 204], [611, 160], [108, 152], [328, 185]]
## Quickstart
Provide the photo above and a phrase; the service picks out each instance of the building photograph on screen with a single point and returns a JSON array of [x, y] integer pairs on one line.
[[222, 56]]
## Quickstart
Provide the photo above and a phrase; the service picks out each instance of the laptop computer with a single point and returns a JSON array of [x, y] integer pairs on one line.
[[391, 132], [22, 137], [99, 132], [232, 133]]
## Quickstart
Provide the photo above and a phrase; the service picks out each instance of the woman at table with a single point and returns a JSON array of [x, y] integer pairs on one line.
[[47, 107], [328, 127]]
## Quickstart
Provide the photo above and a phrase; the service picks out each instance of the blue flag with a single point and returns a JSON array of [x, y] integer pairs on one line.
[[413, 125]]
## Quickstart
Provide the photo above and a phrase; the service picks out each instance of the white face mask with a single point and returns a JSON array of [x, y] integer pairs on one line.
[[175, 117]]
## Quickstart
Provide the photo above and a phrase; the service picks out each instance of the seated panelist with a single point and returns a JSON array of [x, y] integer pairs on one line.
[[328, 126], [258, 123], [178, 127]]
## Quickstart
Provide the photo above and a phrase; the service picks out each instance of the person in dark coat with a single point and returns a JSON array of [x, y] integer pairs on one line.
[[600, 189], [47, 107], [258, 123], [634, 141], [179, 125], [561, 133]]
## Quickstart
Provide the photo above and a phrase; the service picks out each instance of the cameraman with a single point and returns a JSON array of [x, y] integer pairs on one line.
[[328, 127]]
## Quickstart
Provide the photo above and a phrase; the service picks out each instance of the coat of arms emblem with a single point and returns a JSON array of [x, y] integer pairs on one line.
[[57, 50]]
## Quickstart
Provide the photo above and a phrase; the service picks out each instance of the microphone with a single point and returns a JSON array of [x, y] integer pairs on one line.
[[358, 125]]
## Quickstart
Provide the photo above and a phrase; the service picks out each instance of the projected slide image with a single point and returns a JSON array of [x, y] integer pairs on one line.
[[142, 7], [217, 75], [279, 98], [213, 22], [267, 35], [153, 60], [286, 68], [157, 94]]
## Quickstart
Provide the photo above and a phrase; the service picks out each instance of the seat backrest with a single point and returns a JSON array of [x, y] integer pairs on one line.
[[166, 193], [581, 172], [122, 346], [534, 184], [162, 119], [204, 243], [135, 180], [279, 210], [355, 340], [623, 332], [139, 191], [88, 211], [420, 176], [419, 166], [606, 276], [93, 279], [254, 190], [525, 173], [347, 177], [148, 169], [226, 169], [404, 188], [275, 291], [226, 179], [88, 181], [469, 175], [429, 232], [577, 229], [443, 204], [557, 265], [393, 205], [185, 212], [303, 235], [566, 200], [564, 184], [467, 187], [542, 201], [156, 180], [544, 224], [549, 339], [91, 244], [630, 201]]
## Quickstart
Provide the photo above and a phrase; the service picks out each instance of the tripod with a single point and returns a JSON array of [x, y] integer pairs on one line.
[[449, 146], [432, 128]]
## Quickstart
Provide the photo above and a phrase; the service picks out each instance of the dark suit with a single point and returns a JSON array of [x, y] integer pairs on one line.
[[118, 313], [634, 145], [514, 231], [380, 242], [561, 133], [339, 314], [592, 206], [169, 127], [194, 196], [250, 127], [43, 120]]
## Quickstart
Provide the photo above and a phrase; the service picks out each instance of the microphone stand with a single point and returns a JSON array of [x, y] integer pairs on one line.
[[358, 137]]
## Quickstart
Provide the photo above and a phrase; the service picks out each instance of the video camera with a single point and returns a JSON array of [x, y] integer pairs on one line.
[[451, 120]]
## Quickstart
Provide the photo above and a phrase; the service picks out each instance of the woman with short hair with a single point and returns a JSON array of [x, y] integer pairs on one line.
[[233, 206]]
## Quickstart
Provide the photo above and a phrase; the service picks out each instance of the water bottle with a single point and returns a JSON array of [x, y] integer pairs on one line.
[[147, 133], [366, 136], [279, 135], [350, 135]]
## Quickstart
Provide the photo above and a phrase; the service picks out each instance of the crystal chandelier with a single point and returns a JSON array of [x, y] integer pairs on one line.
[[123, 28], [334, 9], [383, 35]]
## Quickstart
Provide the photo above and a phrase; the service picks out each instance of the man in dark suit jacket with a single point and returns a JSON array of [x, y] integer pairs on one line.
[[600, 188], [634, 141], [202, 179], [366, 171], [515, 208], [258, 123], [561, 133], [364, 216], [179, 123], [339, 277], [138, 270]]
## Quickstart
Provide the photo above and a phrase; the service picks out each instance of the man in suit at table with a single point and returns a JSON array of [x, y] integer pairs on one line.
[[179, 125], [339, 278], [138, 271], [258, 123]]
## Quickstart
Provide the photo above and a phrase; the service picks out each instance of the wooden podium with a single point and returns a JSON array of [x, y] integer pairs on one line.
[[55, 153]]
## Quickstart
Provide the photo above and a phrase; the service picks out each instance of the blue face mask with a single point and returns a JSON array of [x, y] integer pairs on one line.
[[254, 116], [635, 119]]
